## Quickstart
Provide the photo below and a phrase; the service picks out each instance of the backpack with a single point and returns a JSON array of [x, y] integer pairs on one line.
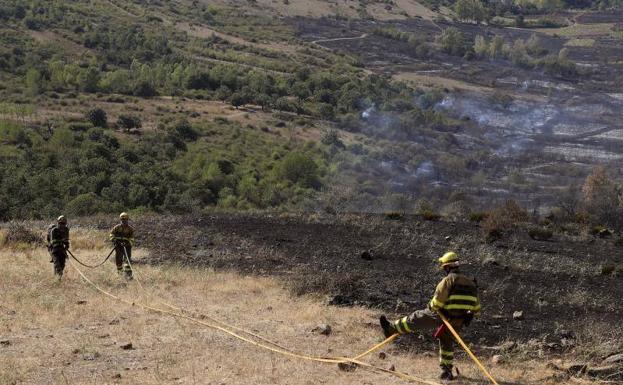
[[49, 235]]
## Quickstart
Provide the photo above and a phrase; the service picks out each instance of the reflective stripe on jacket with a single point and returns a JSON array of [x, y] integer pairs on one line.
[[455, 295], [122, 232]]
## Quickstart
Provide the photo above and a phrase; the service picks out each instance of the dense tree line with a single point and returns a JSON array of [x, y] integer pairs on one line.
[[140, 60], [84, 172]]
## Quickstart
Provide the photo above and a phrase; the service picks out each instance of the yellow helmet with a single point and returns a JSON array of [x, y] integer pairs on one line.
[[61, 219], [124, 216], [449, 259]]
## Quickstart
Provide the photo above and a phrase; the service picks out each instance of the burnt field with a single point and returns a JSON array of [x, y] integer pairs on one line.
[[599, 62], [568, 303], [554, 129]]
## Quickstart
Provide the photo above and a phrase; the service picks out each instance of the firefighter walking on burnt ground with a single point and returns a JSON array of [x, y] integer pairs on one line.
[[456, 297], [122, 237], [58, 244]]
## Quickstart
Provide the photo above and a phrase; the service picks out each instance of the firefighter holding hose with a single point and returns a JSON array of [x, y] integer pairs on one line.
[[456, 297], [122, 237], [58, 244]]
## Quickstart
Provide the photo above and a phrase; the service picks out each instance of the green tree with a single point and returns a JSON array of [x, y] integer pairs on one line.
[[496, 48], [299, 168], [452, 41], [470, 10], [238, 99], [97, 117], [481, 46], [463, 11], [84, 204], [145, 89], [88, 79], [128, 122], [185, 130], [34, 82]]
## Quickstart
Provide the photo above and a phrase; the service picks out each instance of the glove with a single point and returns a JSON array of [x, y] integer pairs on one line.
[[467, 319]]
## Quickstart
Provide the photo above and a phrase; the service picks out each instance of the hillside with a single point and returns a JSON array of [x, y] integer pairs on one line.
[[291, 163], [191, 104]]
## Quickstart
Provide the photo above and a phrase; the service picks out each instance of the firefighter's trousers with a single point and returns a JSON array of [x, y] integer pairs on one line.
[[59, 256], [120, 255], [426, 321]]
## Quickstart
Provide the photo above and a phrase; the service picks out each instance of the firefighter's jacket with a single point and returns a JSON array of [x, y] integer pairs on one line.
[[123, 234], [455, 295], [58, 238]]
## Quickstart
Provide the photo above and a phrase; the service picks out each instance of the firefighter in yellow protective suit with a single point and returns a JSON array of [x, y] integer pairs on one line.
[[456, 297], [122, 237]]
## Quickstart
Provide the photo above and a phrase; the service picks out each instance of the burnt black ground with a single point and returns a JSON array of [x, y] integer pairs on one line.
[[388, 264]]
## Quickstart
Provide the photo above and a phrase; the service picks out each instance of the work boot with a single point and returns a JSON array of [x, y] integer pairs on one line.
[[388, 328], [446, 373]]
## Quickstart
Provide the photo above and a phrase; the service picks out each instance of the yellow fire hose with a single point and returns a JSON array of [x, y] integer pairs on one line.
[[202, 316], [464, 346], [279, 350], [170, 306]]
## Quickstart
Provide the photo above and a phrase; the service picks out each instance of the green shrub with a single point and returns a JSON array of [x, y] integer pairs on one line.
[[144, 89], [299, 168], [80, 126], [84, 204], [332, 137], [452, 42], [12, 133], [184, 129], [97, 117], [128, 122]]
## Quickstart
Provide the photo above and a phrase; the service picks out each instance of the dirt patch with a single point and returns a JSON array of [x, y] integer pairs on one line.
[[203, 32], [579, 30], [52, 38], [544, 279], [415, 9], [311, 8], [432, 81], [611, 16]]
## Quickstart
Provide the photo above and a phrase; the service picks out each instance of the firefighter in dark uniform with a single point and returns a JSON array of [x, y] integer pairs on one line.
[[58, 244], [456, 297], [122, 237]]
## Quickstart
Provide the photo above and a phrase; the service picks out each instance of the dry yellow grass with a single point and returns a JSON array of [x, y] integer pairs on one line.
[[68, 333], [51, 38], [580, 43], [414, 8], [203, 32], [425, 80], [579, 30]]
